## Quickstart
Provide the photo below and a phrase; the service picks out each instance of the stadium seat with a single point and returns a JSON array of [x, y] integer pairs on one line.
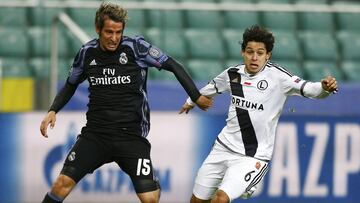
[[347, 21], [205, 70], [293, 66], [165, 19], [349, 43], [232, 39], [276, 1], [170, 41], [73, 43], [314, 21], [240, 19], [132, 32], [317, 70], [311, 1], [237, 1], [199, 1], [319, 46], [40, 67], [351, 70], [13, 42], [280, 20], [286, 46], [136, 19], [204, 44], [203, 19], [40, 39], [43, 17], [14, 67], [84, 17], [13, 17]]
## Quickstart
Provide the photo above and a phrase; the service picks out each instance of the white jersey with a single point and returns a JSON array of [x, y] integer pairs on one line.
[[256, 104]]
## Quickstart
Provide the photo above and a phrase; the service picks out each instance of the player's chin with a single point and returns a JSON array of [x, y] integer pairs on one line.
[[111, 47], [253, 69]]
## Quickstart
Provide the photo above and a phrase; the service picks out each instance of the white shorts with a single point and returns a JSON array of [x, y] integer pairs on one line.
[[230, 172]]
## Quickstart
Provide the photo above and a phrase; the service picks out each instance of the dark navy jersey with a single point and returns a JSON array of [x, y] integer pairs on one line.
[[117, 84]]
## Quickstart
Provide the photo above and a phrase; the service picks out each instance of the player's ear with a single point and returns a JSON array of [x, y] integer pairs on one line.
[[97, 29], [268, 56]]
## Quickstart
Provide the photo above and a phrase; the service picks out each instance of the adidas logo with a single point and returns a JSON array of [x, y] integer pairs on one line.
[[93, 63]]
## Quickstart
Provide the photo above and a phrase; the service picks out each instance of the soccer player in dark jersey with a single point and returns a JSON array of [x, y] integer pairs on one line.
[[118, 112], [240, 156]]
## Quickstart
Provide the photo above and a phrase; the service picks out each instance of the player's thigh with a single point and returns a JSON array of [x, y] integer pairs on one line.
[[210, 174], [242, 175], [138, 165], [84, 157]]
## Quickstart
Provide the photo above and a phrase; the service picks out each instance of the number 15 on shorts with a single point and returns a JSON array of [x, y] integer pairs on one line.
[[143, 167]]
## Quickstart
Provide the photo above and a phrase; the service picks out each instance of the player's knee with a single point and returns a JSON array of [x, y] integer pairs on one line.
[[149, 197], [221, 197], [62, 186]]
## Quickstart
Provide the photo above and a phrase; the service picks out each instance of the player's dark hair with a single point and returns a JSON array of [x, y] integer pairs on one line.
[[258, 34], [112, 11]]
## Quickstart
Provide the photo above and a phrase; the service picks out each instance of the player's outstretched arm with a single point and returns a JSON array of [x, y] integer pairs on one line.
[[49, 119], [329, 84]]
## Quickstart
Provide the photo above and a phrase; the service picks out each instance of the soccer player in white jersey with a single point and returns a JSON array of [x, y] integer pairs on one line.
[[259, 88]]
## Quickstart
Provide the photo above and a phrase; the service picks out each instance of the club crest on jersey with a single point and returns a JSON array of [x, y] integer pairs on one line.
[[246, 104], [155, 53], [71, 157], [123, 58], [297, 80], [262, 85]]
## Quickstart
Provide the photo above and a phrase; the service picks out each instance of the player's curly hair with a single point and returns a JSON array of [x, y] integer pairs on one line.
[[112, 11], [257, 33]]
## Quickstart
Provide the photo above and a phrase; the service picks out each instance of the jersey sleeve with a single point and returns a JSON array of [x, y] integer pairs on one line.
[[76, 73], [217, 85], [294, 85], [149, 53]]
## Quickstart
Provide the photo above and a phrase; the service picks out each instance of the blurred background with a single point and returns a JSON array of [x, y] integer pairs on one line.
[[317, 156]]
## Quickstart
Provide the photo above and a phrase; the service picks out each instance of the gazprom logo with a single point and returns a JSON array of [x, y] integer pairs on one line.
[[104, 179]]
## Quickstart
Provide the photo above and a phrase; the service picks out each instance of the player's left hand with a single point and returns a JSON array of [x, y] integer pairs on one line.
[[329, 84]]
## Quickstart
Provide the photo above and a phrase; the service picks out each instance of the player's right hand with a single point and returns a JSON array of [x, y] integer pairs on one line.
[[49, 119]]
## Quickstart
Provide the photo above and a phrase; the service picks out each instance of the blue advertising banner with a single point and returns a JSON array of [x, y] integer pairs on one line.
[[9, 158], [316, 159]]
